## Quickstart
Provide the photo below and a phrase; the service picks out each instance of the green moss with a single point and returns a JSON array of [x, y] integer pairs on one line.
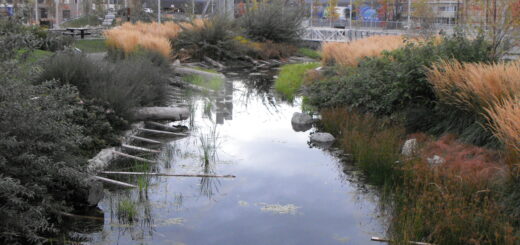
[[91, 46], [213, 84], [311, 53], [290, 78]]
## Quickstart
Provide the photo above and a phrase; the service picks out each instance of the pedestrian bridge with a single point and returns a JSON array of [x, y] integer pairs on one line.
[[328, 34]]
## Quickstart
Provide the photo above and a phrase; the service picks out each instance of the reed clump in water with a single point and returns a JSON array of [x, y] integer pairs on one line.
[[455, 201]]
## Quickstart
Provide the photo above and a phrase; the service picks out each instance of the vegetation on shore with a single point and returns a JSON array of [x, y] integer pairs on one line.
[[291, 78], [55, 115], [450, 190]]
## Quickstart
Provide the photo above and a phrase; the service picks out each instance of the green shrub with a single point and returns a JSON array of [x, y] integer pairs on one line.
[[311, 53], [214, 38], [396, 85], [291, 77], [273, 21], [41, 173], [124, 85]]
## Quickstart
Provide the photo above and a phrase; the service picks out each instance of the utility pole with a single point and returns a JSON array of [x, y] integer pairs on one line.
[[159, 11], [36, 19], [350, 14], [57, 14], [409, 13]]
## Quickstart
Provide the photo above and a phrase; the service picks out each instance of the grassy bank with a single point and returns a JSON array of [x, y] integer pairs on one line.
[[91, 46], [291, 78], [457, 187]]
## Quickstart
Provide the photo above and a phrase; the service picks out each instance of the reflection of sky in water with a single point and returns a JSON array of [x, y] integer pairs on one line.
[[274, 166]]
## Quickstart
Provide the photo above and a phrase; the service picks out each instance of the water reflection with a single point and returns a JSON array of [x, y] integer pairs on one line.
[[245, 130]]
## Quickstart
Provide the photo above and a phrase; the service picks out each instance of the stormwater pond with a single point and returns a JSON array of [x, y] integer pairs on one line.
[[285, 190]]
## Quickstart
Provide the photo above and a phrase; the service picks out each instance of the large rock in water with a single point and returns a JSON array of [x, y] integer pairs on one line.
[[301, 118], [301, 122], [95, 192], [162, 113], [322, 138]]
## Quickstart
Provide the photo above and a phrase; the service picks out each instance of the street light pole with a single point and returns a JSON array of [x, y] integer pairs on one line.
[[350, 14], [159, 11], [409, 12]]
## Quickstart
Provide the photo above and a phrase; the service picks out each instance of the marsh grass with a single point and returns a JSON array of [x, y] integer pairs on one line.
[[127, 210], [505, 122], [443, 208], [208, 146], [485, 93], [375, 144], [475, 87], [349, 54], [291, 77]]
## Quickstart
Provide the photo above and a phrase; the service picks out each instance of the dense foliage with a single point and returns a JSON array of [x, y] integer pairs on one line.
[[396, 84], [119, 84], [54, 115], [273, 21], [213, 38], [41, 173]]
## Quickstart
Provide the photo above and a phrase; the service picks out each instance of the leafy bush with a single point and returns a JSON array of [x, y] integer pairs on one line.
[[273, 21], [311, 53], [396, 84], [124, 85], [40, 171], [213, 38]]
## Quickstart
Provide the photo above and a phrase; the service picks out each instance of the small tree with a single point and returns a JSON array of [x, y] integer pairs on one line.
[[331, 11], [499, 20]]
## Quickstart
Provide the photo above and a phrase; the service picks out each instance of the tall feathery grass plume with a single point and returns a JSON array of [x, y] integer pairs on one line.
[[349, 54], [505, 122], [149, 36], [475, 87]]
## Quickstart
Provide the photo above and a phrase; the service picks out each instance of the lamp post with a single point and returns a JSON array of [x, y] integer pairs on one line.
[[159, 11], [350, 14], [409, 12]]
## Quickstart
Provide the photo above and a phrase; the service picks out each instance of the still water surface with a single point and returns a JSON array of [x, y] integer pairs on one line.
[[285, 191]]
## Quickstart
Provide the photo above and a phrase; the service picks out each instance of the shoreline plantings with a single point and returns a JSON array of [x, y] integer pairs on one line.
[[450, 191], [291, 78], [349, 54]]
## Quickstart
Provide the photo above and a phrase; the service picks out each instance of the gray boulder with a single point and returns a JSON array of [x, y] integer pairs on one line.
[[322, 138], [409, 148], [301, 118], [95, 192], [435, 161]]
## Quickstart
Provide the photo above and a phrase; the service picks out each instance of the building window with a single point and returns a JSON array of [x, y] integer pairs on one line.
[[43, 13], [66, 14], [40, 1]]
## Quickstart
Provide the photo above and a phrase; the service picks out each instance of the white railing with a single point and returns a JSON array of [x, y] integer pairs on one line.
[[327, 34]]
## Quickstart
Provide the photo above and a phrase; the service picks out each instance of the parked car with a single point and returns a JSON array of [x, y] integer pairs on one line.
[[148, 10]]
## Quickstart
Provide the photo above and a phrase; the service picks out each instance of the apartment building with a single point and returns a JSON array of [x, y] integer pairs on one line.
[[45, 12]]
